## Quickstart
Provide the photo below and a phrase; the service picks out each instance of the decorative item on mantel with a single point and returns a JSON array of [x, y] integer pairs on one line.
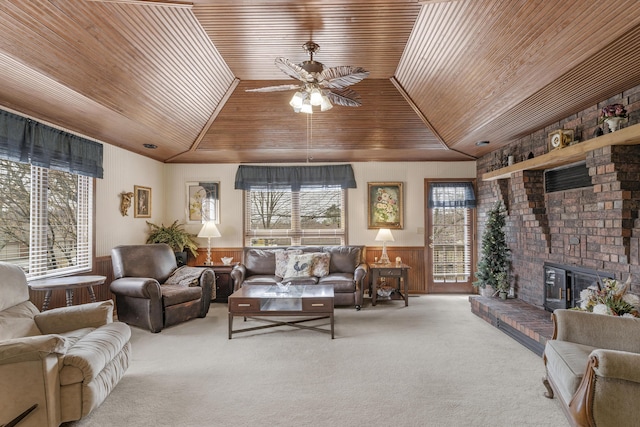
[[613, 115]]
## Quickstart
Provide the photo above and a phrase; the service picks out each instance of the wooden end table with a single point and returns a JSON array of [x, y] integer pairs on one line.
[[391, 270], [68, 283], [224, 283]]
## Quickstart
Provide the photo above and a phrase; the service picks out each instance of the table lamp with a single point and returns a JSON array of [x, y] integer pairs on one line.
[[209, 230], [384, 235]]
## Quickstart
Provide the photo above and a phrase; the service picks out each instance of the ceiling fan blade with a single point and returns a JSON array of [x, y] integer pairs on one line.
[[345, 97], [293, 70], [274, 88], [342, 76]]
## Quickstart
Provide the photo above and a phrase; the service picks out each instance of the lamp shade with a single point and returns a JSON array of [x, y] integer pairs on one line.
[[209, 229], [384, 235]]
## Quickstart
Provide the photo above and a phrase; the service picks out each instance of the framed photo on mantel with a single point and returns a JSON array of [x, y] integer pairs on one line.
[[385, 205]]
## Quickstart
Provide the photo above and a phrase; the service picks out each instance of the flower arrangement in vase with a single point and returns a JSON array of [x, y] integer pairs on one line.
[[612, 115], [610, 298]]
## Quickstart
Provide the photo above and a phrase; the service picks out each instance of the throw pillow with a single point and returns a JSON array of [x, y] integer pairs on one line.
[[321, 264], [282, 259], [299, 265]]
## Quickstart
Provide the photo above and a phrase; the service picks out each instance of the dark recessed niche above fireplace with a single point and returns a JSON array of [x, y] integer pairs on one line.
[[563, 284], [567, 178]]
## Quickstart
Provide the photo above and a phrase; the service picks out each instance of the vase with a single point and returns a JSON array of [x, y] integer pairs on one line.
[[613, 123]]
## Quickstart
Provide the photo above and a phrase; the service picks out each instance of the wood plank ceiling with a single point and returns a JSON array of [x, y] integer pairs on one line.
[[443, 74]]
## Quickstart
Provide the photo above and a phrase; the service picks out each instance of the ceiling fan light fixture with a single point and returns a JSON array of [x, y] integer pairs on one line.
[[297, 99], [326, 104], [306, 107], [315, 97]]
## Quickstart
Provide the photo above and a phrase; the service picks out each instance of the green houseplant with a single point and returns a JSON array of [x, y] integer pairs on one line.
[[494, 263], [176, 237]]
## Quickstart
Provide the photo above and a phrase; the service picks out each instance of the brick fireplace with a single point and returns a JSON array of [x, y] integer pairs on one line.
[[563, 284], [592, 228]]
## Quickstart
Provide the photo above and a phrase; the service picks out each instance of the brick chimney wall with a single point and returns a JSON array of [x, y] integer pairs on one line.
[[596, 227]]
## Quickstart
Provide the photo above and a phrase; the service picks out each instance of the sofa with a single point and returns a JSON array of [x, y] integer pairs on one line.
[[343, 267], [592, 364], [61, 363], [152, 292]]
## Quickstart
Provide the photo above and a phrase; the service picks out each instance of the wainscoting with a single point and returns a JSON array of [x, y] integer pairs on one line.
[[413, 256]]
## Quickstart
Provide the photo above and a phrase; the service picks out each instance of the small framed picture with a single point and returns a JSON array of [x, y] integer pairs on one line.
[[203, 202], [142, 202], [385, 205]]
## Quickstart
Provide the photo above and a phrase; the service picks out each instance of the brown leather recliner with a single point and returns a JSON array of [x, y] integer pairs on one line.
[[149, 296]]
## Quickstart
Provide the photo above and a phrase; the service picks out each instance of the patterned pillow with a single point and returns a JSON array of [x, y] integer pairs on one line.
[[321, 264], [299, 265], [282, 259]]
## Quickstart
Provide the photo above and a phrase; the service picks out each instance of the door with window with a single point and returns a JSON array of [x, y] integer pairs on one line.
[[450, 236]]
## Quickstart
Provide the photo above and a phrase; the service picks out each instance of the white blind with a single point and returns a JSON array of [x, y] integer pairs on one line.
[[47, 222], [311, 216]]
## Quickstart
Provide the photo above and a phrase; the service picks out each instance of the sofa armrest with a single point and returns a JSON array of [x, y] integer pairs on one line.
[[64, 319], [360, 272], [31, 348], [137, 287], [238, 274], [614, 364]]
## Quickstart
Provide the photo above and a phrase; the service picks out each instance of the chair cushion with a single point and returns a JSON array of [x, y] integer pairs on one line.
[[566, 364], [299, 266], [177, 294], [262, 279], [321, 263], [260, 261], [282, 260], [344, 259], [341, 282]]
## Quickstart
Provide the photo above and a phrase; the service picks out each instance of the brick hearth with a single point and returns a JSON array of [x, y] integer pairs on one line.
[[529, 325]]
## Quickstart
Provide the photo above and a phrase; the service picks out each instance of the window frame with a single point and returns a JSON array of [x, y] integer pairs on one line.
[[296, 233], [38, 251]]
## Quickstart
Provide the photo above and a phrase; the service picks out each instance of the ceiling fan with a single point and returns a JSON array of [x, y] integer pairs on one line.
[[321, 86]]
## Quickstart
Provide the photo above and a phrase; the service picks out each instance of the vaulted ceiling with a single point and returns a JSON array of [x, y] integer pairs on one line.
[[443, 74]]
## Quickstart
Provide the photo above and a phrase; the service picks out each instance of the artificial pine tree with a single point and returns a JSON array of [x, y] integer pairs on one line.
[[493, 266]]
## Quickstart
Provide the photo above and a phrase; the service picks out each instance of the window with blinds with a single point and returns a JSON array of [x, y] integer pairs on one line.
[[313, 216], [451, 231], [46, 223]]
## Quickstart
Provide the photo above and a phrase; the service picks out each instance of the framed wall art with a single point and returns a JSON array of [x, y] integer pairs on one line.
[[203, 202], [385, 205], [141, 202]]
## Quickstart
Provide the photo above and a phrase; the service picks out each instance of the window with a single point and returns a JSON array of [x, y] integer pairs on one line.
[[312, 216], [46, 223], [451, 219]]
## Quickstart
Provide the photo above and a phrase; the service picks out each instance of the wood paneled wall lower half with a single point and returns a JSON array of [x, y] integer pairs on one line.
[[102, 267], [413, 256], [410, 255]]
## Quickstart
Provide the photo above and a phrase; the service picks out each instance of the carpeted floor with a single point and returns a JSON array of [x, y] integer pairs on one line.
[[430, 364]]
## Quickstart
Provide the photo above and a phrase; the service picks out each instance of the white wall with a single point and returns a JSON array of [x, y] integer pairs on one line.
[[412, 174], [123, 170]]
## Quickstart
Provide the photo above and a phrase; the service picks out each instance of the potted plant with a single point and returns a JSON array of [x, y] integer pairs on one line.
[[176, 237], [493, 266]]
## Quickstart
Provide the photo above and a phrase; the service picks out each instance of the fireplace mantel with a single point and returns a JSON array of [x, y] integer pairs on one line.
[[571, 154]]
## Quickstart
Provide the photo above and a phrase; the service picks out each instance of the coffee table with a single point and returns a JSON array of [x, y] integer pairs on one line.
[[312, 302]]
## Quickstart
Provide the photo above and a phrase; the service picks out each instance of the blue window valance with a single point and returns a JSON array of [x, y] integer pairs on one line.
[[451, 195], [293, 177], [28, 141]]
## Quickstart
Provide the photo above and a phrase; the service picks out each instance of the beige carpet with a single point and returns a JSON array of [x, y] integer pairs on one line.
[[430, 364]]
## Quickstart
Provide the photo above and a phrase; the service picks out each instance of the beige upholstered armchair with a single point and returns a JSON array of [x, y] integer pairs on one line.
[[593, 365], [152, 292], [64, 361]]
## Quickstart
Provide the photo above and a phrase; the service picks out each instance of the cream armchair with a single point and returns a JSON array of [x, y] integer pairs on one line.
[[66, 360], [593, 365]]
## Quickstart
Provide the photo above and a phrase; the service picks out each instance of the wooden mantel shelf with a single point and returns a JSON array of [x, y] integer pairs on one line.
[[571, 154]]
